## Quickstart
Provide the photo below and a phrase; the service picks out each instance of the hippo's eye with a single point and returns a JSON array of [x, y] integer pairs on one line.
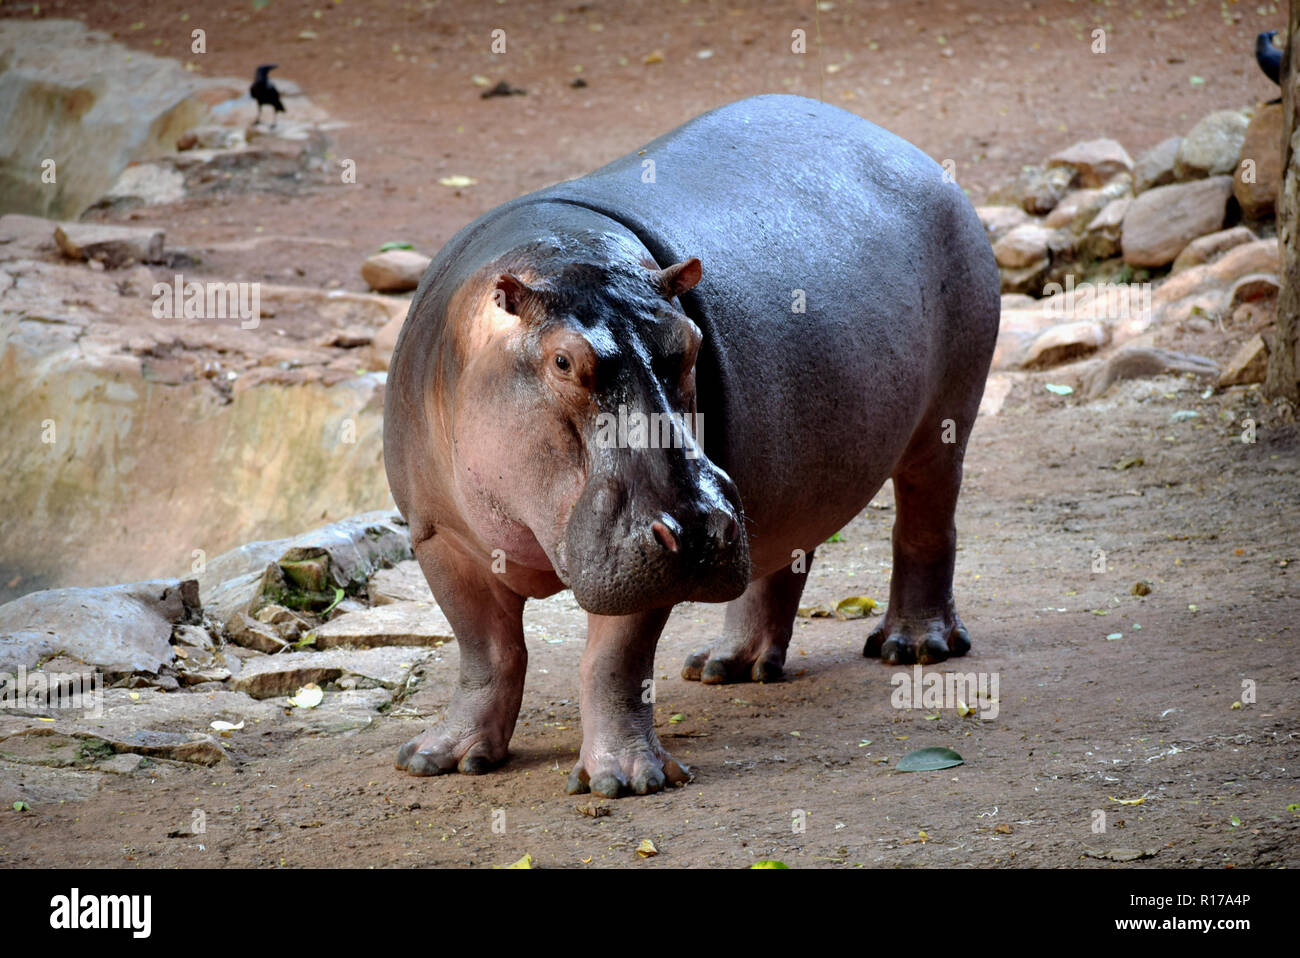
[[562, 362]]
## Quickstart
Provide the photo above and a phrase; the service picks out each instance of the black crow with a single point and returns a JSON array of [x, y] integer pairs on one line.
[[265, 93], [1268, 56]]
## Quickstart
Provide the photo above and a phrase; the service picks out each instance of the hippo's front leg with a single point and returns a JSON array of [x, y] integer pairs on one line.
[[620, 750], [488, 621]]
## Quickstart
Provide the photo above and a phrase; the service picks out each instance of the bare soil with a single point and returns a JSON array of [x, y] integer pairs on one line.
[[1085, 722]]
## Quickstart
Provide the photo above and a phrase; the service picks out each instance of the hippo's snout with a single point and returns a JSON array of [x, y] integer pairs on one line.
[[623, 558]]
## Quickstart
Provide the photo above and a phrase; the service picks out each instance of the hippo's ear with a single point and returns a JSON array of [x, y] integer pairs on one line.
[[511, 292], [678, 278]]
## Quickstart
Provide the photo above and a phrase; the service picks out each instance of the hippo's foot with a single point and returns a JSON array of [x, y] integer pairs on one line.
[[636, 767], [904, 640], [462, 742], [732, 660]]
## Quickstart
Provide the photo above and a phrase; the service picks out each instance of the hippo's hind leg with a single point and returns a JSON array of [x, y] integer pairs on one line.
[[487, 619], [757, 631], [921, 624]]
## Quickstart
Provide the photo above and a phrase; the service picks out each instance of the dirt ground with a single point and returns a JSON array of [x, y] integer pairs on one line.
[[1084, 722]]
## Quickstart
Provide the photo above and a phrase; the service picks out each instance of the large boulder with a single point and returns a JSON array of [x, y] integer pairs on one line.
[[120, 629], [1093, 161], [88, 104], [1162, 221], [1212, 147], [264, 434], [1258, 177]]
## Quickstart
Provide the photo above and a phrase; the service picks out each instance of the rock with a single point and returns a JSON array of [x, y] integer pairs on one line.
[[162, 725], [1252, 287], [342, 555], [39, 786], [1076, 210], [1248, 365], [194, 637], [1022, 246], [1203, 249], [1261, 256], [276, 675], [404, 582], [86, 367], [396, 271], [121, 628], [380, 353], [244, 630], [1156, 165], [342, 712], [998, 220], [350, 337], [196, 748], [1093, 161], [1016, 301], [1162, 221], [1042, 190], [88, 103], [1035, 189], [114, 246], [1101, 237], [1065, 342], [1258, 185], [148, 184], [396, 623], [252, 578], [1028, 279], [1213, 146], [1140, 362]]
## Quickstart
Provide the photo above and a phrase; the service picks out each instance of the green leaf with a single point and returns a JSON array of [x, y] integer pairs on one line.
[[929, 760], [338, 597], [769, 864], [395, 244], [22, 807], [838, 537]]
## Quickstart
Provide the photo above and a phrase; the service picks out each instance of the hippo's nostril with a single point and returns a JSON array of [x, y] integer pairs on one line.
[[732, 533], [664, 533]]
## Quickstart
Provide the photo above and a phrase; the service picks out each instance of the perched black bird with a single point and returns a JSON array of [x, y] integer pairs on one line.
[[265, 93], [1268, 56]]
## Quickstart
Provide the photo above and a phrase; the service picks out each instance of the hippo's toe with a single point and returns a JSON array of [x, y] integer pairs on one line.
[[924, 641], [615, 775], [723, 663], [438, 752]]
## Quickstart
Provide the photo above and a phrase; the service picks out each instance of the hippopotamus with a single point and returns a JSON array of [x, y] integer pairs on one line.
[[807, 301]]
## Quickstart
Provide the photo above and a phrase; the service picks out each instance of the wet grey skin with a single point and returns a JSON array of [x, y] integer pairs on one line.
[[811, 287]]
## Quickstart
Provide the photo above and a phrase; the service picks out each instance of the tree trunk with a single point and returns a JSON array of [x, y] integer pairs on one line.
[[1282, 372]]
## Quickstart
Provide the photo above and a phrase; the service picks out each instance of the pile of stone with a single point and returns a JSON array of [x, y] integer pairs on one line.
[[1106, 258], [342, 607]]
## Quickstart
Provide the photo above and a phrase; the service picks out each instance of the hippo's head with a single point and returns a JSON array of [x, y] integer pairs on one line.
[[576, 442]]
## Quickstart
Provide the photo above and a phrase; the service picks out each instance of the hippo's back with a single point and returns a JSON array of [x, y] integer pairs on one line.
[[842, 271]]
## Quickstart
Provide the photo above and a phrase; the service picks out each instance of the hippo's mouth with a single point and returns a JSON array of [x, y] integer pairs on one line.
[[633, 576]]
